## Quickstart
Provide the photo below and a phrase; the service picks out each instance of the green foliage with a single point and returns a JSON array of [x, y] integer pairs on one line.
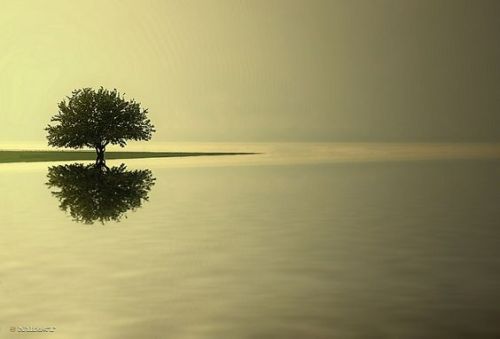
[[91, 193], [94, 119]]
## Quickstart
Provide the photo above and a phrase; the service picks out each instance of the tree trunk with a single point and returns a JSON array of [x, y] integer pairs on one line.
[[100, 160]]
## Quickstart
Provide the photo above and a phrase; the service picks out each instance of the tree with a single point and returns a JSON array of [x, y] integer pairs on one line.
[[90, 194], [96, 119]]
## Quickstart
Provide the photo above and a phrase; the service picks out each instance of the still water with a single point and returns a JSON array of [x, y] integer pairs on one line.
[[397, 246]]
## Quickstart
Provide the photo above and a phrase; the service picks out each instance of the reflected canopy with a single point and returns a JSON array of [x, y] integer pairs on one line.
[[94, 193]]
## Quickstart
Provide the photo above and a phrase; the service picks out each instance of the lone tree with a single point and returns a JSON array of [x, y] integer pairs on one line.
[[95, 119]]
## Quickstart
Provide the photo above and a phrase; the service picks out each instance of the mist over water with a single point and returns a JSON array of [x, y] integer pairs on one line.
[[302, 152], [236, 247]]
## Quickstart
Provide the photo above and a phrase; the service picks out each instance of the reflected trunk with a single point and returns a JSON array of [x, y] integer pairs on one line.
[[100, 160]]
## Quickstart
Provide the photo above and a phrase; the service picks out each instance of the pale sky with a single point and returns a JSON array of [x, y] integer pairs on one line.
[[263, 70]]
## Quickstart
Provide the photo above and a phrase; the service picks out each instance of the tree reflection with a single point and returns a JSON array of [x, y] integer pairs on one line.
[[95, 193]]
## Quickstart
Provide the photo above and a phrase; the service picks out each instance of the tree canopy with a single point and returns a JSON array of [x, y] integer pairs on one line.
[[97, 118]]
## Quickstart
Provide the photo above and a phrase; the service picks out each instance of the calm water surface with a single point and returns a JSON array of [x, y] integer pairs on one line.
[[252, 249]]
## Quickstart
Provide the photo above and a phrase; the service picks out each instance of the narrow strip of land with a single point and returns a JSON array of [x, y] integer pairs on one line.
[[42, 156]]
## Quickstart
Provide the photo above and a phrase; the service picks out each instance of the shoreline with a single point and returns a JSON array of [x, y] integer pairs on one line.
[[50, 156]]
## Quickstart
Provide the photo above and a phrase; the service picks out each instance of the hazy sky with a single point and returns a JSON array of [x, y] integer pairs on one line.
[[260, 70]]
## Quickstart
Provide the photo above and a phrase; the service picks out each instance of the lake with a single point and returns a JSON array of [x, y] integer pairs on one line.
[[301, 241]]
